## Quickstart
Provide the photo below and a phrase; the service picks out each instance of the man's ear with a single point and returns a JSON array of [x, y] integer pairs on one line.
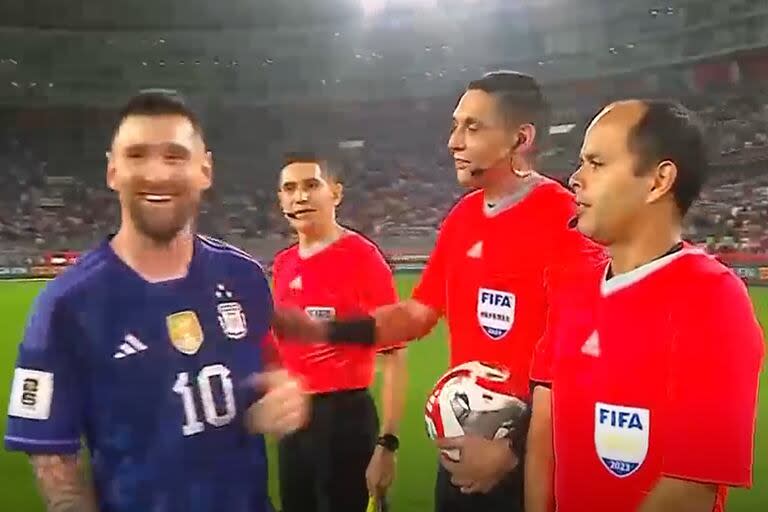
[[663, 181], [207, 170], [111, 171], [338, 193], [524, 140]]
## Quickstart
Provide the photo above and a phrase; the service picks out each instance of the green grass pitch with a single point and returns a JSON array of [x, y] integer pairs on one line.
[[412, 491]]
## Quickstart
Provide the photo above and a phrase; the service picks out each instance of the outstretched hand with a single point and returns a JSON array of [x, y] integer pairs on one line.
[[293, 324]]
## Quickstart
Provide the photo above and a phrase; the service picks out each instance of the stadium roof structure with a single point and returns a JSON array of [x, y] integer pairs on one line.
[[286, 51]]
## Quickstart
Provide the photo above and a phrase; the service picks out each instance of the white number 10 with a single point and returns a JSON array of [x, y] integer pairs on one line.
[[184, 388]]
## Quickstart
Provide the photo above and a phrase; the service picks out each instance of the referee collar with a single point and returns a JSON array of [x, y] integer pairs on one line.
[[514, 198], [611, 284]]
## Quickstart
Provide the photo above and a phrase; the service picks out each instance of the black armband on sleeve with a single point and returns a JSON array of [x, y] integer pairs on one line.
[[358, 331]]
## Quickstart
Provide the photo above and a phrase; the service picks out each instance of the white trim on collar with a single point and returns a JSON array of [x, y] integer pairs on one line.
[[616, 283], [515, 198]]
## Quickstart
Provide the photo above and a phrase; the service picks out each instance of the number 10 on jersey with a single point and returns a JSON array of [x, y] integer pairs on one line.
[[185, 387]]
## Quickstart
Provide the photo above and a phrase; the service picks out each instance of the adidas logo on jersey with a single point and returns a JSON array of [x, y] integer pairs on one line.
[[295, 284], [131, 346], [592, 346], [476, 251]]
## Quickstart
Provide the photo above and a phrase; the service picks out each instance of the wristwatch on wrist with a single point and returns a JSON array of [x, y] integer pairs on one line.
[[389, 442]]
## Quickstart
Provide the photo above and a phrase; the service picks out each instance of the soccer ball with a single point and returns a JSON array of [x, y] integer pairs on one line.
[[474, 398]]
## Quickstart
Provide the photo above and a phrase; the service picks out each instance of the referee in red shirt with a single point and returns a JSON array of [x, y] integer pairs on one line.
[[646, 382], [343, 456], [499, 241]]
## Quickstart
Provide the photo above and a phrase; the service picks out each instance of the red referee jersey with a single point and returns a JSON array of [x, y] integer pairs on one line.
[[487, 274], [349, 277], [654, 373]]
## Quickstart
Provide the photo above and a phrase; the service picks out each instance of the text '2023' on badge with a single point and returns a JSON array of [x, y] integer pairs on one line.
[[621, 437]]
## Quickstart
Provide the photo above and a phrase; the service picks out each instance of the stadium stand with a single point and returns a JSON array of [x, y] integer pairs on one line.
[[375, 87], [400, 180]]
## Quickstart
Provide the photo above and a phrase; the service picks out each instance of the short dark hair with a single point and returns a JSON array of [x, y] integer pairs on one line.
[[520, 99], [158, 102], [669, 131], [327, 166]]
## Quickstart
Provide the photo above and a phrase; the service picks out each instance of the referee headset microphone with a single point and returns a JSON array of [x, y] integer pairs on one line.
[[289, 215]]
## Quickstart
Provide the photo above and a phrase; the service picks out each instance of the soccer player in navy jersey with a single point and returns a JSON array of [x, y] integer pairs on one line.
[[153, 347]]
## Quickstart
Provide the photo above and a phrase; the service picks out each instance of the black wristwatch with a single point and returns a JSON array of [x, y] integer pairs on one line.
[[389, 442]]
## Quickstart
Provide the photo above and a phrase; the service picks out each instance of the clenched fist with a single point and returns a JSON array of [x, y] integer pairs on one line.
[[283, 409]]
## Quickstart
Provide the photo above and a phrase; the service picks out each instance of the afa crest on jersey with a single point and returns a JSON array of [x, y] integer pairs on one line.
[[621, 437], [185, 331], [232, 320], [495, 312]]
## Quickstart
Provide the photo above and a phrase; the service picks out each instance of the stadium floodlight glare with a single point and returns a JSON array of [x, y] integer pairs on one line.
[[371, 7]]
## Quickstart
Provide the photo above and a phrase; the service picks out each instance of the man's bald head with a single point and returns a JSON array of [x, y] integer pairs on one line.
[[626, 113], [659, 132]]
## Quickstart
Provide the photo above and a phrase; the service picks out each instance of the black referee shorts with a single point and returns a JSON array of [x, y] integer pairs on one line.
[[322, 467], [505, 497]]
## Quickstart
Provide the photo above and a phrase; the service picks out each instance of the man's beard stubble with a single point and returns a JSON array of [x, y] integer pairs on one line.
[[162, 227]]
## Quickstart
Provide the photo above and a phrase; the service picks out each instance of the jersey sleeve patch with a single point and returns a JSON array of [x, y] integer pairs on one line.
[[31, 394]]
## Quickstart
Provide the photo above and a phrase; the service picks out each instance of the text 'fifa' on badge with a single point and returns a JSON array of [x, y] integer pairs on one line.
[[621, 437], [495, 312], [321, 312], [185, 331], [232, 320]]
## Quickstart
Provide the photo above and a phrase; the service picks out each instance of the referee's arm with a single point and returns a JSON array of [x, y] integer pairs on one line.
[[540, 456], [406, 320], [540, 453], [386, 326]]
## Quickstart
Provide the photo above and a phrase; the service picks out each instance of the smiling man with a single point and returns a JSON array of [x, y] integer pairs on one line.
[[151, 347], [343, 456], [646, 380]]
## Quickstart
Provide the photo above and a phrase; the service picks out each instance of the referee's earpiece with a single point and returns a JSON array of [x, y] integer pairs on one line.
[[519, 141]]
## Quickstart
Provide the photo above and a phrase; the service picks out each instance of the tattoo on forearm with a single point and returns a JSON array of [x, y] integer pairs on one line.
[[62, 483]]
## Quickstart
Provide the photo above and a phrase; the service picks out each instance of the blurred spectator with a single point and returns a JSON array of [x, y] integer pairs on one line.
[[399, 178]]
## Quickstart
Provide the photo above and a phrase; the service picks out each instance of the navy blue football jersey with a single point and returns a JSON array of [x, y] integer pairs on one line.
[[153, 377]]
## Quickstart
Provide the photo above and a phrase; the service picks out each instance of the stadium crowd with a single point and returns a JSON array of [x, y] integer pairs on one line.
[[398, 173]]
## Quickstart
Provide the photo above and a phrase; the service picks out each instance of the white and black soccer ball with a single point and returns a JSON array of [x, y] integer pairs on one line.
[[474, 398]]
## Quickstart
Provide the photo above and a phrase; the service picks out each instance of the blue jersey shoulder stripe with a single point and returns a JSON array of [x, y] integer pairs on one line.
[[86, 267], [221, 246]]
